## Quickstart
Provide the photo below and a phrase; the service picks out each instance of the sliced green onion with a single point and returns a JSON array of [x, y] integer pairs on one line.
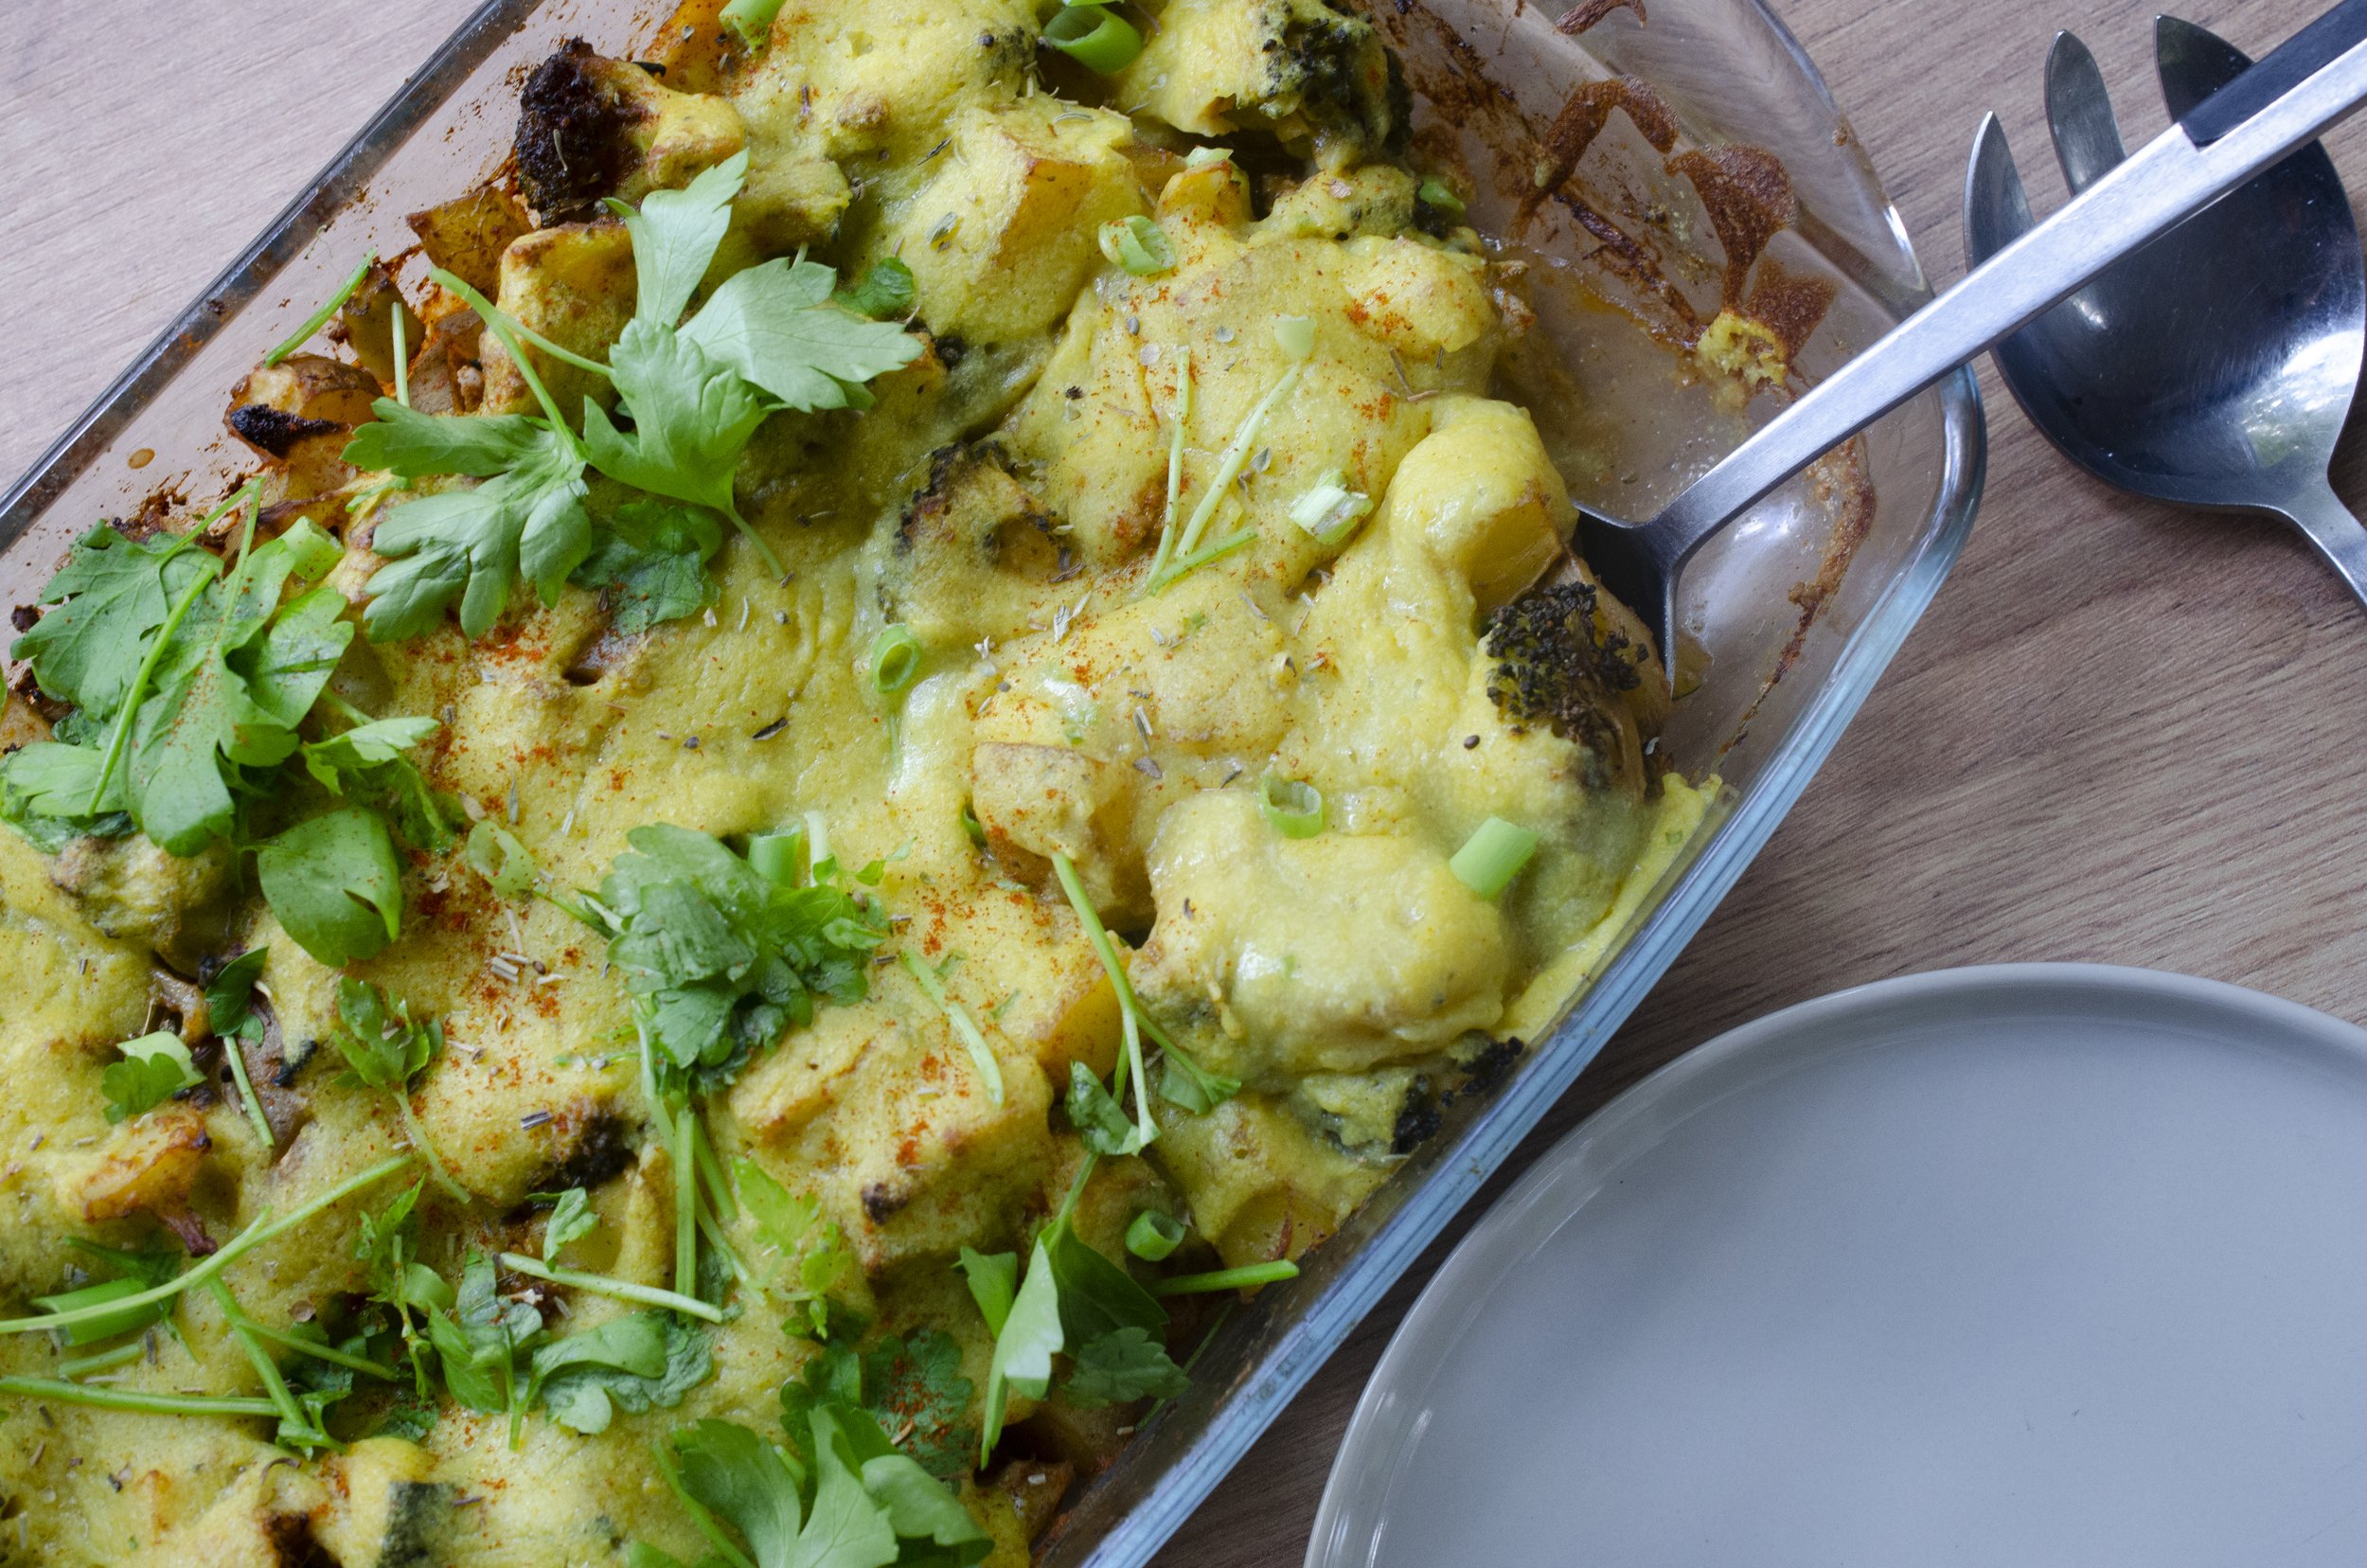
[[1292, 808], [1094, 38], [106, 1325], [1330, 512], [1203, 157], [615, 1290], [1154, 1235], [1436, 192], [1493, 856], [895, 660], [1296, 336], [1226, 1279], [780, 857], [971, 825], [320, 318], [981, 1054], [262, 1230], [751, 19], [1138, 245]]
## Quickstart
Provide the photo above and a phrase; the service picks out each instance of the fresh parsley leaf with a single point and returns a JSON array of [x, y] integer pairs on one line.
[[371, 762], [479, 1340], [379, 1042], [463, 545], [572, 1218], [1070, 1298], [637, 1362], [740, 1478], [1121, 1366], [363, 748], [410, 1416], [777, 326], [334, 884], [793, 1226], [106, 601], [651, 561], [385, 1050], [857, 1500], [692, 417], [154, 1068], [495, 853], [993, 1280], [387, 1245], [229, 995], [674, 236], [46, 794], [912, 1392], [884, 291], [411, 445], [1100, 1123], [237, 674], [1025, 1344], [720, 959]]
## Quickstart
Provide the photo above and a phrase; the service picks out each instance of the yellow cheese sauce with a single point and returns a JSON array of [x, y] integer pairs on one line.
[[1004, 501]]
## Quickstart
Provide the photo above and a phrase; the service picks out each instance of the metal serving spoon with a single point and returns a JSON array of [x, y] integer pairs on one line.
[[2308, 82], [2213, 367]]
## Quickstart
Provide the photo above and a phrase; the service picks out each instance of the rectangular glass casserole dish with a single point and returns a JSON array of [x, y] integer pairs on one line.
[[1796, 610]]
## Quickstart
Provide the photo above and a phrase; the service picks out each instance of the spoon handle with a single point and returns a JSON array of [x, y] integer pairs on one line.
[[2166, 181], [2336, 534]]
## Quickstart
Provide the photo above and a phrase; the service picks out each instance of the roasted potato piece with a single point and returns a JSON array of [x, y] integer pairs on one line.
[[299, 413], [574, 284], [1006, 234], [466, 234]]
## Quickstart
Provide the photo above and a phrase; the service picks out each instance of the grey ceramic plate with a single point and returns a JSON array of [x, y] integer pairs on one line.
[[2034, 1265]]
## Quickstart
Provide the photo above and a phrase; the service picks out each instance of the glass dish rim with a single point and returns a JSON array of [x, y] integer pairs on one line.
[[1480, 1147]]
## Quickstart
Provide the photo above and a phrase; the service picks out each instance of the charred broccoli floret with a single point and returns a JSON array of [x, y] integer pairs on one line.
[[1561, 663]]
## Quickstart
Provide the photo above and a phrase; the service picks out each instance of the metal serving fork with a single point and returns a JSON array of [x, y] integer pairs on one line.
[[2312, 79], [2213, 367]]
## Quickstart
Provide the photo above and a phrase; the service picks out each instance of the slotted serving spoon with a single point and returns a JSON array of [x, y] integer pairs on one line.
[[2311, 80], [2213, 367]]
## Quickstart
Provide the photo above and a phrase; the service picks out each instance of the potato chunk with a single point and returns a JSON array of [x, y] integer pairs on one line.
[[1332, 954], [1006, 234], [574, 284]]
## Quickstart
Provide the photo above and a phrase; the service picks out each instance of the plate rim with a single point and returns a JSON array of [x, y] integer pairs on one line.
[[1673, 1092]]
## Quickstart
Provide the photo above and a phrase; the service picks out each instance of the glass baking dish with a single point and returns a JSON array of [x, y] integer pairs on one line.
[[1796, 609]]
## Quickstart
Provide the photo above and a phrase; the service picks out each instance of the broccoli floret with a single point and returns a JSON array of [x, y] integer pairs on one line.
[[1561, 663], [1320, 81]]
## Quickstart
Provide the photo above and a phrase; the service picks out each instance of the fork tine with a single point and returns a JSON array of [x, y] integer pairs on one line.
[[1996, 211], [2194, 63], [2079, 113]]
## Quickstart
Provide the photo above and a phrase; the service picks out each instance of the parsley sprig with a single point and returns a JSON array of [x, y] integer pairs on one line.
[[718, 958], [189, 678], [771, 337], [385, 1050], [842, 1495]]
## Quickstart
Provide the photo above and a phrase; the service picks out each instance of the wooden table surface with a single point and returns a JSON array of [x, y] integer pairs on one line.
[[2121, 734]]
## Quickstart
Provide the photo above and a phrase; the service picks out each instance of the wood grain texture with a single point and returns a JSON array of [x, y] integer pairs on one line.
[[2121, 734]]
